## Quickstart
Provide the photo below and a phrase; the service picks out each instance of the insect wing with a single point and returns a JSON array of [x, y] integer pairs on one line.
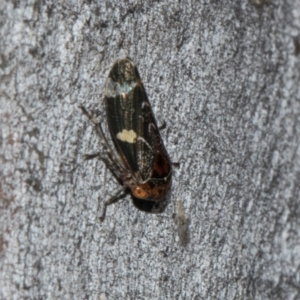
[[130, 119]]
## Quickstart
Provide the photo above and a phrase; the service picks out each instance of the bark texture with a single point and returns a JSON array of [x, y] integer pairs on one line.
[[224, 75]]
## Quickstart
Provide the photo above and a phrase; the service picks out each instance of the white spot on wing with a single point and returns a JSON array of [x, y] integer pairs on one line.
[[145, 104], [144, 141], [128, 136], [113, 89], [152, 125]]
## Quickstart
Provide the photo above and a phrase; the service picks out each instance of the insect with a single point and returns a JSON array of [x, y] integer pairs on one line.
[[137, 156]]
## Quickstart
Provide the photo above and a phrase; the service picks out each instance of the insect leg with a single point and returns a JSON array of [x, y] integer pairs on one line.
[[112, 168], [176, 164], [112, 154], [85, 112], [119, 195], [109, 162], [91, 156], [162, 126]]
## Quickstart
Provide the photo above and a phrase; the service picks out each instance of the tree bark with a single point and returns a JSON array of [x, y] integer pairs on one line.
[[224, 75]]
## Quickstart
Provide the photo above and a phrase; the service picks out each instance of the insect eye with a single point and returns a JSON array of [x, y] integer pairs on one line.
[[139, 193]]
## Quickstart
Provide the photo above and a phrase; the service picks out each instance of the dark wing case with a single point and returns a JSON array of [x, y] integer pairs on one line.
[[130, 120]]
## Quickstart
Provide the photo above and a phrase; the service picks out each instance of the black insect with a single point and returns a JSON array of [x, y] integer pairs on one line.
[[138, 158]]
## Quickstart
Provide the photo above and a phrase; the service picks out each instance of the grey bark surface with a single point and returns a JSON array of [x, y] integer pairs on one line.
[[224, 75]]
